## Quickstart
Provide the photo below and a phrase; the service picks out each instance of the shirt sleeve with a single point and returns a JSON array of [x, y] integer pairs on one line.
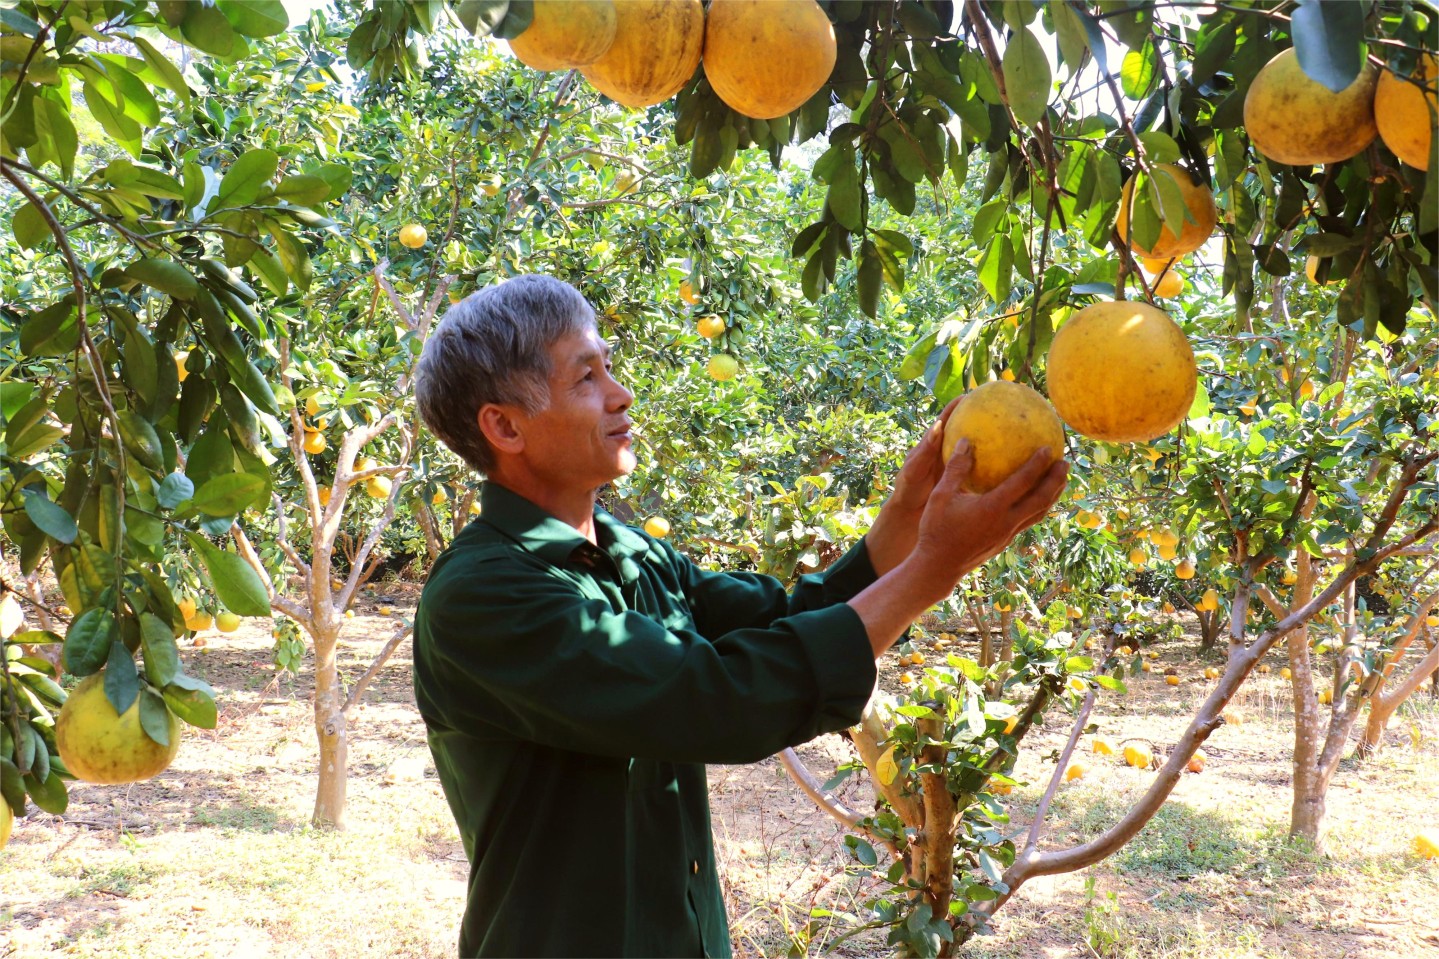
[[723, 601], [523, 649]]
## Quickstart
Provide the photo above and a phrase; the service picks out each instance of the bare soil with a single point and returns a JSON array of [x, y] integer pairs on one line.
[[215, 857]]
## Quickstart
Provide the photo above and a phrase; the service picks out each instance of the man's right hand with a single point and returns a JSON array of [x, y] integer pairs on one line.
[[958, 531]]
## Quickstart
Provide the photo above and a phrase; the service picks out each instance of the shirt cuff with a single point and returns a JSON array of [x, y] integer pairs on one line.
[[842, 662], [849, 575]]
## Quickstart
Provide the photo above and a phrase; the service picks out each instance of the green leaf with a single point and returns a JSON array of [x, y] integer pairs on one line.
[[48, 794], [256, 18], [122, 681], [50, 517], [229, 494], [1200, 406], [30, 228], [869, 278], [56, 131], [165, 72], [480, 17], [194, 706], [845, 198], [206, 28], [304, 189], [293, 256], [1026, 77], [174, 490], [162, 656], [237, 585], [1073, 41], [154, 716], [996, 268], [248, 177], [1159, 147], [147, 180], [1139, 71], [112, 119], [87, 641], [167, 276], [1329, 41]]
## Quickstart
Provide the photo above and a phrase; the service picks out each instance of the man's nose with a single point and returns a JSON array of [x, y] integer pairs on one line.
[[620, 398]]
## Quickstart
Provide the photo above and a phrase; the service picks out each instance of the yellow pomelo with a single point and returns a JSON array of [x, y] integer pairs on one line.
[[565, 34], [1185, 569], [378, 487], [656, 50], [657, 526], [1169, 285], [1138, 756], [7, 821], [1121, 372], [1426, 844], [180, 371], [1103, 745], [1293, 119], [227, 622], [710, 326], [1197, 228], [314, 443], [100, 746], [723, 367], [1404, 113], [413, 235], [1006, 423], [766, 58], [1076, 770]]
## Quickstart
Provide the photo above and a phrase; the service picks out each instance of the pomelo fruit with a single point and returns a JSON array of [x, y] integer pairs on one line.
[[766, 58], [1404, 113], [1293, 119], [413, 235], [656, 49], [1005, 423], [1121, 372], [99, 745], [1198, 225], [565, 34]]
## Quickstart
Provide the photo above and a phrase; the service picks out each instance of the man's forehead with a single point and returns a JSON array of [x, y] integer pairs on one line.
[[580, 348]]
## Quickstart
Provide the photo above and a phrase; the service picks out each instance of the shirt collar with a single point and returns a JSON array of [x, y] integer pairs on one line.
[[552, 539]]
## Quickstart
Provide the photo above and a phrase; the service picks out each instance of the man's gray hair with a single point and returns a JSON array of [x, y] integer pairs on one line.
[[494, 347]]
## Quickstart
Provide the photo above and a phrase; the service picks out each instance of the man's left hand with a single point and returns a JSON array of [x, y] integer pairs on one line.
[[896, 529]]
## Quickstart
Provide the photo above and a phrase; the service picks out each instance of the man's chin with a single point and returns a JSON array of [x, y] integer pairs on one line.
[[627, 463]]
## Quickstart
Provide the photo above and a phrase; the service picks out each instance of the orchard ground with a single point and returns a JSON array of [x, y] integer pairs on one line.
[[215, 857]]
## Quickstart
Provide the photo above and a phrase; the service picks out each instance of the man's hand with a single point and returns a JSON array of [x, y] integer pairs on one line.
[[955, 532], [959, 530], [896, 528]]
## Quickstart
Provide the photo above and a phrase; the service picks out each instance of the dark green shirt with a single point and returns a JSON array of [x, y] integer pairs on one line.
[[572, 696]]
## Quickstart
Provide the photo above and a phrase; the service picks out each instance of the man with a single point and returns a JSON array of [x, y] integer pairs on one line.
[[575, 674]]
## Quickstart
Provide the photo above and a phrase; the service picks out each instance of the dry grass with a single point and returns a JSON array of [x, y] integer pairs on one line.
[[214, 858]]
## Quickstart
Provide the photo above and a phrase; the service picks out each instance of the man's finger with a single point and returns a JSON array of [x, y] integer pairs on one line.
[[961, 463], [1021, 481], [1035, 504]]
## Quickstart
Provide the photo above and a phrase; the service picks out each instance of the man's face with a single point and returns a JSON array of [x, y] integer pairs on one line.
[[583, 436]]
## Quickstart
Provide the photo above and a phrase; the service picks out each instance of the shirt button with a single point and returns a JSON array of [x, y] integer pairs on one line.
[[695, 867]]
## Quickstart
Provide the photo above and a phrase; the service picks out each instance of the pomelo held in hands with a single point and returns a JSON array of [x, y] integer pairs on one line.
[[1122, 372], [1005, 423]]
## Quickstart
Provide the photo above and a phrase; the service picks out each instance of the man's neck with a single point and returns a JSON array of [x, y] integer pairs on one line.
[[575, 507]]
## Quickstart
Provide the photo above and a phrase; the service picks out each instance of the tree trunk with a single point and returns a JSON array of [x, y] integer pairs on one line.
[[331, 734]]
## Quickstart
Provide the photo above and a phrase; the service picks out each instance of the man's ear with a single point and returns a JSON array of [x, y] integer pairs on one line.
[[499, 423]]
